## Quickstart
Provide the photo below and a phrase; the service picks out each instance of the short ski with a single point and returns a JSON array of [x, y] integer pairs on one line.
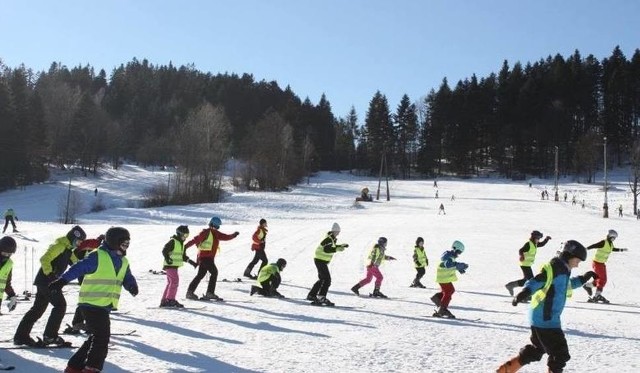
[[185, 308], [334, 306], [371, 295], [131, 332], [155, 272], [237, 279], [452, 318]]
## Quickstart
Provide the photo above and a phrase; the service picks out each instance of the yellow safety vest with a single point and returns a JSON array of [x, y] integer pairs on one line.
[[602, 255], [421, 256], [323, 255], [530, 255], [176, 254], [267, 271], [4, 275], [541, 293], [207, 244], [446, 275], [102, 287]]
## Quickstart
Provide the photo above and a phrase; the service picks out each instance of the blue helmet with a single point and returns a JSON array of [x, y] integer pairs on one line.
[[458, 246], [215, 222]]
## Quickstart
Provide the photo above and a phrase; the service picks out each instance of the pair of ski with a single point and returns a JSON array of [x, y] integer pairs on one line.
[[38, 346], [82, 332]]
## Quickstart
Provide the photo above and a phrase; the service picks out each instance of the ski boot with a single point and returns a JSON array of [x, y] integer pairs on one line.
[[355, 289], [163, 303], [191, 295], [598, 298], [436, 299], [175, 303], [70, 369], [510, 286], [24, 341], [54, 341], [444, 313], [377, 294], [418, 284], [323, 301], [247, 274], [254, 289], [211, 296], [510, 366], [73, 330], [312, 298], [588, 287]]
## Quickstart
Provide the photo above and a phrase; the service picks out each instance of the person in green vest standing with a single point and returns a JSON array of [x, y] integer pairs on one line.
[[604, 249], [527, 255], [269, 279], [7, 249], [420, 261], [323, 255], [446, 276], [10, 217], [376, 257], [549, 291], [174, 258], [105, 270]]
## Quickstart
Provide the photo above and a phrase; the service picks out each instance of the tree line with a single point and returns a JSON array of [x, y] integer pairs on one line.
[[512, 122]]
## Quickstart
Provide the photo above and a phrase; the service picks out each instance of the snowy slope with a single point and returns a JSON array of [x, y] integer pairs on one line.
[[253, 334]]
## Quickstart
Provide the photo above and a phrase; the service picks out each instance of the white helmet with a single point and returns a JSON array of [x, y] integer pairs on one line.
[[335, 228], [612, 234]]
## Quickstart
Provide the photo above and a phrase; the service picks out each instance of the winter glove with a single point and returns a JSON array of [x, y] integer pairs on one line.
[[57, 285], [623, 249], [390, 258], [11, 303], [134, 291], [344, 246], [169, 261], [194, 264], [521, 297], [588, 276], [462, 267], [235, 234], [521, 257]]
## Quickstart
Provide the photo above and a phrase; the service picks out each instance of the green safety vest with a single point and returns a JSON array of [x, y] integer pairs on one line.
[[267, 271], [102, 287], [446, 275], [376, 255], [541, 293], [530, 255], [207, 244], [4, 275], [602, 255], [321, 254], [177, 254], [422, 257]]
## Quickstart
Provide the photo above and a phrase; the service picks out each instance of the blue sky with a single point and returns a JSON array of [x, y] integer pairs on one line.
[[347, 49]]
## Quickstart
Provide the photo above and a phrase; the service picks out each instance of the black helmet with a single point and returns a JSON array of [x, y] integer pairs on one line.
[[182, 230], [382, 241], [76, 233], [7, 245], [536, 234], [419, 240], [574, 249], [281, 263], [263, 221], [116, 236]]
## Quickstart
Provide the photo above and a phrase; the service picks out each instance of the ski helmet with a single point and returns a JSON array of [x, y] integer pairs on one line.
[[263, 221], [215, 222], [76, 233], [281, 263], [536, 234], [8, 245], [574, 249], [382, 241], [116, 236], [182, 231], [458, 246], [419, 240], [612, 234], [335, 228]]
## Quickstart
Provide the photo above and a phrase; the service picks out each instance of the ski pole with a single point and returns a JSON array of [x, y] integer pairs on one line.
[[32, 254], [25, 271]]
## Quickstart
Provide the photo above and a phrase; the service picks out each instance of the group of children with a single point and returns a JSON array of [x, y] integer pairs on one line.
[[101, 286]]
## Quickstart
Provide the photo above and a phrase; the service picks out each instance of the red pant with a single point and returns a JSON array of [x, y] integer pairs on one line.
[[601, 270], [447, 293]]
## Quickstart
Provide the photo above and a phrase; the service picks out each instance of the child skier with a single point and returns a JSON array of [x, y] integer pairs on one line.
[[10, 217], [446, 275], [376, 257], [527, 255], [208, 243], [105, 270], [323, 255], [604, 248], [7, 248], [269, 279], [174, 257], [420, 261], [258, 246], [54, 262], [549, 291]]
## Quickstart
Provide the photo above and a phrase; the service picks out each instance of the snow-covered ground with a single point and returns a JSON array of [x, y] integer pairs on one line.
[[253, 334]]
